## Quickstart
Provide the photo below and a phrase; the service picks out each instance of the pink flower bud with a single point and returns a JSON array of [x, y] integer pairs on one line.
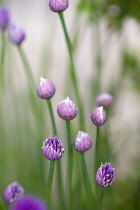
[[58, 5], [67, 110]]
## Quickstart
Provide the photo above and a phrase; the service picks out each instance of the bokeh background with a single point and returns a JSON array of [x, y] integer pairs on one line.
[[106, 46]]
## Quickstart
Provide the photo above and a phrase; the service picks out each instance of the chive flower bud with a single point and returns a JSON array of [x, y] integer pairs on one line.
[[105, 175], [46, 89], [52, 148], [67, 110], [104, 99], [29, 202], [98, 116], [16, 34], [58, 5], [4, 18], [82, 142], [13, 192]]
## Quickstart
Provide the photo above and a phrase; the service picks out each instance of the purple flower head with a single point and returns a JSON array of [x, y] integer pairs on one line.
[[105, 175], [82, 142], [16, 34], [67, 110], [4, 18], [104, 99], [46, 89], [98, 116], [58, 5], [29, 202], [13, 192], [52, 148]]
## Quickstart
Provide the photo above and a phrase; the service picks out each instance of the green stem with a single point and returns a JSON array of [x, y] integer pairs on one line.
[[87, 182], [100, 198], [27, 68], [73, 72], [97, 151], [51, 116], [49, 181], [2, 58], [58, 164], [70, 164]]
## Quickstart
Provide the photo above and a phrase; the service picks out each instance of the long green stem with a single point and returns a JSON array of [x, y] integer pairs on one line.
[[70, 164], [87, 182], [59, 170], [73, 72], [97, 151], [100, 198], [51, 116], [27, 68], [49, 181], [2, 58]]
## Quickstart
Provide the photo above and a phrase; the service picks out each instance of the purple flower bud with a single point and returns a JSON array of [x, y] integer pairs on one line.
[[58, 5], [16, 34], [46, 89], [105, 175], [104, 99], [13, 192], [98, 116], [52, 148], [67, 110], [4, 18], [82, 142], [29, 202]]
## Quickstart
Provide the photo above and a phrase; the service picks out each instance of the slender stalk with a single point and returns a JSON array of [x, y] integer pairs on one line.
[[49, 181], [97, 151], [70, 163], [27, 68], [58, 164], [2, 58], [73, 72], [87, 182], [51, 116], [100, 198]]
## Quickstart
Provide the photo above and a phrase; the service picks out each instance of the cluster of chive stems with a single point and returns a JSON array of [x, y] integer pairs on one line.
[[67, 110]]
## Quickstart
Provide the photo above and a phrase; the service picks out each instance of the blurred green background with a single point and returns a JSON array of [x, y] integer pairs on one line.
[[105, 35]]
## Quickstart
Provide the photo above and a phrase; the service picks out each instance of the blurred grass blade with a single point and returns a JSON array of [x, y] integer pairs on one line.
[[1, 205]]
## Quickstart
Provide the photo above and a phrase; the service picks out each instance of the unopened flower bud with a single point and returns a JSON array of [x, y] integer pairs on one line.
[[58, 5], [67, 110], [16, 34], [98, 116], [105, 175], [13, 192], [29, 202], [82, 142], [4, 18], [46, 89], [52, 148], [104, 99]]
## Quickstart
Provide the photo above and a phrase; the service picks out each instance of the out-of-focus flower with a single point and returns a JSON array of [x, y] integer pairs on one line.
[[4, 18], [52, 148], [13, 192], [104, 99], [82, 142], [58, 5], [16, 34], [105, 175], [46, 89], [67, 110], [98, 116], [29, 202]]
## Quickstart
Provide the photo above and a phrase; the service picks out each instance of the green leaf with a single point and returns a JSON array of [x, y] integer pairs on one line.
[[1, 205]]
